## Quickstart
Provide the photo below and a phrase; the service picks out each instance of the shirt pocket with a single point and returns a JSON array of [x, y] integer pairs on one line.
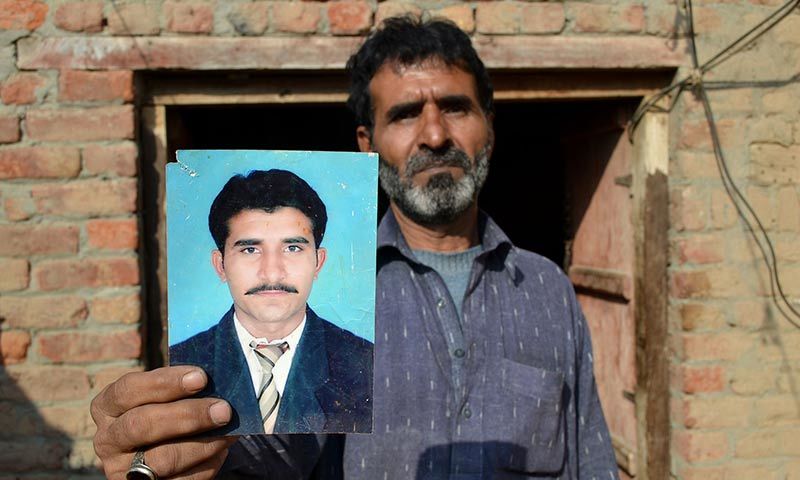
[[528, 414]]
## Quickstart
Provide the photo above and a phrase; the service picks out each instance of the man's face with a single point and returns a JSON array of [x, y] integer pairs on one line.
[[270, 263], [433, 138]]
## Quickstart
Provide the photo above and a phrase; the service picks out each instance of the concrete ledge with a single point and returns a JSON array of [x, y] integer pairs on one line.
[[331, 53]]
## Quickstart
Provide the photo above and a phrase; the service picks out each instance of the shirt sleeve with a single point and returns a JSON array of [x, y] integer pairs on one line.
[[595, 454]]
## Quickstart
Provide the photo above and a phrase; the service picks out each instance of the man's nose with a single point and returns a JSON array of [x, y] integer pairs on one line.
[[271, 268], [435, 133]]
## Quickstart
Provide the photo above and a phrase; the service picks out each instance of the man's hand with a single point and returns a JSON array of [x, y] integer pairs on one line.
[[151, 411]]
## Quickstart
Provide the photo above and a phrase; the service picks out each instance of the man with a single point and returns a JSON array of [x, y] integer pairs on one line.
[[483, 359], [280, 366]]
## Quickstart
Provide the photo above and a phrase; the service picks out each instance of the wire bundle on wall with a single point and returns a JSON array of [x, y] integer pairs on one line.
[[695, 81]]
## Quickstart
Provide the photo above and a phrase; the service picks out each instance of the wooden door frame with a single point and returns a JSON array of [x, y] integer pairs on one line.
[[649, 189]]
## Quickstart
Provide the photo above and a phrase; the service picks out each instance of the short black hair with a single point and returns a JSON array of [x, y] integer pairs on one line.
[[268, 191], [409, 41]]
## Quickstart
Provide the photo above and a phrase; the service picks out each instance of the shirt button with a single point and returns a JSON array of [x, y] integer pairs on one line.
[[459, 353], [466, 412], [440, 303]]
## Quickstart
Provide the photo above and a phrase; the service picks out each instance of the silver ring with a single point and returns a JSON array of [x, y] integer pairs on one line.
[[139, 470]]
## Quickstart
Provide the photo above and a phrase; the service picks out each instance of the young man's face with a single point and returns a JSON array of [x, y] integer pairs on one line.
[[433, 137], [270, 263]]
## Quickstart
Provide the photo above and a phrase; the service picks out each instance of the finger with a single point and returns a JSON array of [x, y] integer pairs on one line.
[[173, 459], [157, 423], [158, 386]]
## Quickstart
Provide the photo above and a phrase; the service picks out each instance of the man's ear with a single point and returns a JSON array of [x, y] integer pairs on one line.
[[364, 138], [219, 265], [322, 255]]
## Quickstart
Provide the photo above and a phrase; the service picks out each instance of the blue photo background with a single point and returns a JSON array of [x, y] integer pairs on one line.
[[344, 293]]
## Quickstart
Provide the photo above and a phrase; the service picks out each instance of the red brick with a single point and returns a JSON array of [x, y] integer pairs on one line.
[[592, 18], [511, 17], [125, 309], [56, 311], [500, 17], [73, 421], [87, 198], [92, 272], [186, 17], [80, 347], [788, 217], [118, 158], [701, 446], [296, 17], [79, 124], [134, 19], [688, 209], [19, 208], [14, 345], [102, 378], [772, 163], [113, 234], [395, 9], [542, 18], [706, 20], [46, 384], [250, 18], [691, 284], [80, 17], [25, 240], [770, 442], [696, 134], [462, 15], [40, 162], [349, 17], [716, 346], [22, 14], [723, 213], [700, 249], [76, 85], [701, 316], [15, 274], [9, 128], [631, 19], [21, 88], [716, 411], [703, 379]]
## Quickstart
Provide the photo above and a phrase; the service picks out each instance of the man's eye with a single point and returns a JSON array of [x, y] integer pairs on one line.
[[249, 250], [294, 248]]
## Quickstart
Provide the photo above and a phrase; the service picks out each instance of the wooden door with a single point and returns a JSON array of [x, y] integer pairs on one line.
[[600, 262]]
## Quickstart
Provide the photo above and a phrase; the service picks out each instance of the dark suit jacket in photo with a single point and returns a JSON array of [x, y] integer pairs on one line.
[[329, 387]]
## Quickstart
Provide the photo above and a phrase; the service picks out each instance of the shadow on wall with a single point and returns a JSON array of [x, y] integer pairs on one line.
[[31, 404]]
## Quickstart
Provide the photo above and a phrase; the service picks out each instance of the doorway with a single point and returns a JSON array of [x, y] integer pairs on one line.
[[557, 163]]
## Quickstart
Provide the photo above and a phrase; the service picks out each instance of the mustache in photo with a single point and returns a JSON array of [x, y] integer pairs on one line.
[[452, 157], [269, 288]]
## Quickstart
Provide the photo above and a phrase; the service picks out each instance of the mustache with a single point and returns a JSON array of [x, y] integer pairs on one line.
[[271, 288], [452, 157]]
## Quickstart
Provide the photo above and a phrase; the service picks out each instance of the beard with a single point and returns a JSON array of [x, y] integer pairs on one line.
[[443, 198]]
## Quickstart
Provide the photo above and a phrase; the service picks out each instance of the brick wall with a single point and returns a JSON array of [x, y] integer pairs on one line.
[[69, 226]]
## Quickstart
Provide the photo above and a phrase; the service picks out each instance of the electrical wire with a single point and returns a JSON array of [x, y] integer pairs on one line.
[[740, 203]]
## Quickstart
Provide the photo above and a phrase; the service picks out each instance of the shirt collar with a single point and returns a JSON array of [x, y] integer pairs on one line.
[[245, 337], [491, 237]]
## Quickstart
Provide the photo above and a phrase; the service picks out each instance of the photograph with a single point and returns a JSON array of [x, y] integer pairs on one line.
[[271, 284]]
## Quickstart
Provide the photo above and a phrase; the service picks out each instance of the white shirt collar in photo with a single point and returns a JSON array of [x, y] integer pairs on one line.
[[280, 371]]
